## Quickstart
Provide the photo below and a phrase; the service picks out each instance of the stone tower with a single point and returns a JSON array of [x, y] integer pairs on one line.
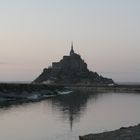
[[72, 51]]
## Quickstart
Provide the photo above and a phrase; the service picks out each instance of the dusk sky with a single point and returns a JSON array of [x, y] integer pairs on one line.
[[35, 33]]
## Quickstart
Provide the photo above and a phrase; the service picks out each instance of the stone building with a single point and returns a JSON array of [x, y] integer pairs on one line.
[[71, 70]]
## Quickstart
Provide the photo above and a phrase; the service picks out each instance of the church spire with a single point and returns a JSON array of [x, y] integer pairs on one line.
[[72, 51]]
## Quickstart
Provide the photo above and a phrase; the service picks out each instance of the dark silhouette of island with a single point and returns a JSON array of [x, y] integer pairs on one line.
[[71, 70]]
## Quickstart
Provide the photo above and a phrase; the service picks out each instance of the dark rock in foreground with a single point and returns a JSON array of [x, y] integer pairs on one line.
[[129, 133], [71, 70]]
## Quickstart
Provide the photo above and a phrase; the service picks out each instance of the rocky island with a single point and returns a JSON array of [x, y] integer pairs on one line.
[[71, 70]]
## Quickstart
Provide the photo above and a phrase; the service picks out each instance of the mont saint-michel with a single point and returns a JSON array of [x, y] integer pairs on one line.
[[72, 69]]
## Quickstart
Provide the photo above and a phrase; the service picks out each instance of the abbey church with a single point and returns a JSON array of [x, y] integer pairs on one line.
[[71, 70]]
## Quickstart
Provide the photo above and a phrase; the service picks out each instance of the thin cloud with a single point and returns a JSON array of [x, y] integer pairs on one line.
[[4, 63], [8, 63]]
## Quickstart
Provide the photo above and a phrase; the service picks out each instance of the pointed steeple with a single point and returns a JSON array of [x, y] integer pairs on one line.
[[72, 51]]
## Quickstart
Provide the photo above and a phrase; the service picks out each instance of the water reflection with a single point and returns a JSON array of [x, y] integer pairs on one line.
[[73, 106], [68, 116], [9, 104]]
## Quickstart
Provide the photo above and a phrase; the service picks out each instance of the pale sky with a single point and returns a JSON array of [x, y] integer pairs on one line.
[[35, 33]]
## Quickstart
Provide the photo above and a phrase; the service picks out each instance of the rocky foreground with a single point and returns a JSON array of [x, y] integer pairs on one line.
[[128, 133]]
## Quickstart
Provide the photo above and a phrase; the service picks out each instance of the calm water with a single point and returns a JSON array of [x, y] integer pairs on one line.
[[68, 116]]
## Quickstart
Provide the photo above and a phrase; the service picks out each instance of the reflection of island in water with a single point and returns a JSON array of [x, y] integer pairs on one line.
[[72, 106]]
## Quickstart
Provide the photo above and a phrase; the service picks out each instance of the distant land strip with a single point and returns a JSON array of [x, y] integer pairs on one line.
[[20, 93]]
